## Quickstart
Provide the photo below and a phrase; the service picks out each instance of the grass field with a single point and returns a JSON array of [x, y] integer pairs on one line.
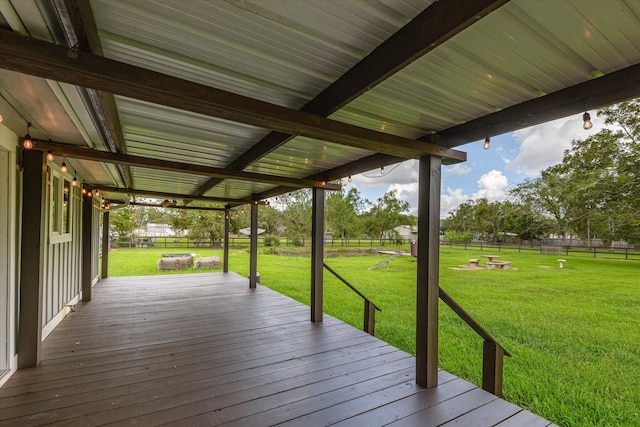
[[573, 332]]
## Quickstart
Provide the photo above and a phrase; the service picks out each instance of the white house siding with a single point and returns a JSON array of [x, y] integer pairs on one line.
[[62, 266], [8, 245]]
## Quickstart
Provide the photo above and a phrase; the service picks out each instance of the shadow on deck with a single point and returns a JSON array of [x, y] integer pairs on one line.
[[204, 349]]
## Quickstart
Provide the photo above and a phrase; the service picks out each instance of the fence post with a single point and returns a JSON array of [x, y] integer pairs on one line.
[[492, 363], [626, 253], [594, 252], [369, 318]]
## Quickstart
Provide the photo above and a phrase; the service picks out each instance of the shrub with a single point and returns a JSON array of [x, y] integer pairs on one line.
[[271, 241]]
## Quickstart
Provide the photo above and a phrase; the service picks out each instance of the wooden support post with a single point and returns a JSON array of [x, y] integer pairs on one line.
[[225, 250], [105, 245], [317, 254], [369, 318], [32, 241], [492, 367], [87, 246], [428, 280], [253, 250]]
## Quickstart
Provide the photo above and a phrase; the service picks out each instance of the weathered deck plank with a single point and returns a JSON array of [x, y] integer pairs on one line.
[[205, 349]]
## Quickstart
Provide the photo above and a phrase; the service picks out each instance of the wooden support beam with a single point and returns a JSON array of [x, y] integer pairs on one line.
[[85, 153], [31, 287], [317, 254], [81, 16], [253, 261], [42, 59], [179, 207], [167, 195], [431, 28], [87, 247], [358, 166], [369, 318], [225, 249], [608, 89], [105, 245], [492, 367], [428, 265]]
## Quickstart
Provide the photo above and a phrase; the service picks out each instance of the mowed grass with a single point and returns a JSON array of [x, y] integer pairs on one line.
[[573, 332]]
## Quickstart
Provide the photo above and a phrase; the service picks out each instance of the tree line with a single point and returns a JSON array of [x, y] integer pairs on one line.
[[594, 193], [348, 216]]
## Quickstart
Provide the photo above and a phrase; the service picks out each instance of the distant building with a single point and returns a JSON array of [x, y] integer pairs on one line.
[[156, 230], [405, 232]]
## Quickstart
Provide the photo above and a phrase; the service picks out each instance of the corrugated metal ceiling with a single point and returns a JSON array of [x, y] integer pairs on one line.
[[286, 52]]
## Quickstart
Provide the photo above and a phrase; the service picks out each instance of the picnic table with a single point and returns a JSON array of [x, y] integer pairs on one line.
[[500, 264], [491, 257]]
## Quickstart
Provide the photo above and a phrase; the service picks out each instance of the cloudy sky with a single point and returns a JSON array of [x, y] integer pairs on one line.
[[486, 173]]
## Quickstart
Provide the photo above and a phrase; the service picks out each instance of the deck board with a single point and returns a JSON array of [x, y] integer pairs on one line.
[[205, 349]]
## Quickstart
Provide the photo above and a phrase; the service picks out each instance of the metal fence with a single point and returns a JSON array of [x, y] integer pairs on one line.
[[628, 253]]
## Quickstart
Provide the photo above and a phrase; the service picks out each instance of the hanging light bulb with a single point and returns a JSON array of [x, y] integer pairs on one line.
[[586, 118], [89, 193], [27, 143], [97, 192], [349, 179], [382, 170], [50, 156], [84, 190], [74, 183], [487, 143]]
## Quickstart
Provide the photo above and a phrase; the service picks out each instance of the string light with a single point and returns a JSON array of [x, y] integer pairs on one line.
[[586, 118], [487, 143], [27, 143], [382, 170], [63, 167], [50, 156], [349, 179]]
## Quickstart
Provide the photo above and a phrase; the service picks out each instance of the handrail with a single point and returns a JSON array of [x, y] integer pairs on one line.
[[369, 307], [493, 351]]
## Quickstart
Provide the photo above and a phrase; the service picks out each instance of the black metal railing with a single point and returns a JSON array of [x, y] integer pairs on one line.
[[492, 354], [369, 307]]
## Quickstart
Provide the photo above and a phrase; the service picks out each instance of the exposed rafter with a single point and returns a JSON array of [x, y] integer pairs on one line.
[[179, 207], [428, 30], [86, 33], [169, 195], [599, 92], [43, 59], [362, 165], [84, 153]]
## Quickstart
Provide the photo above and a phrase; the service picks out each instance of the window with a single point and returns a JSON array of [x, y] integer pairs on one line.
[[60, 205]]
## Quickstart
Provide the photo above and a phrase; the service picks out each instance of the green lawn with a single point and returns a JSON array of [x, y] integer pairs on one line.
[[573, 332]]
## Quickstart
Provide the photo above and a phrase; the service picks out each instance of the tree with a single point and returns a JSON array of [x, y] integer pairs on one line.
[[384, 215], [342, 212], [595, 191], [297, 214]]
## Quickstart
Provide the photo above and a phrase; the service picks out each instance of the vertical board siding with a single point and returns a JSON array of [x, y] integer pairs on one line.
[[61, 273], [95, 229]]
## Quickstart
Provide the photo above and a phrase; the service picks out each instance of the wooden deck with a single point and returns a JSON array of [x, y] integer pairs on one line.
[[204, 349]]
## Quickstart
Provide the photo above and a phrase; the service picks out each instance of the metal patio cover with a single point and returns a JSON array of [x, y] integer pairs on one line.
[[237, 101]]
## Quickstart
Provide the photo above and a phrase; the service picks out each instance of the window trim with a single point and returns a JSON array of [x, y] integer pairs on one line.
[[56, 201]]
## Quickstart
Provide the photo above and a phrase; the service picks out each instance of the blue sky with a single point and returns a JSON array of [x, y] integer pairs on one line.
[[488, 173]]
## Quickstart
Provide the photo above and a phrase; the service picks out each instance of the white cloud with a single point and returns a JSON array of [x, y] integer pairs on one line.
[[450, 199], [543, 145], [492, 185], [457, 169], [407, 193]]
